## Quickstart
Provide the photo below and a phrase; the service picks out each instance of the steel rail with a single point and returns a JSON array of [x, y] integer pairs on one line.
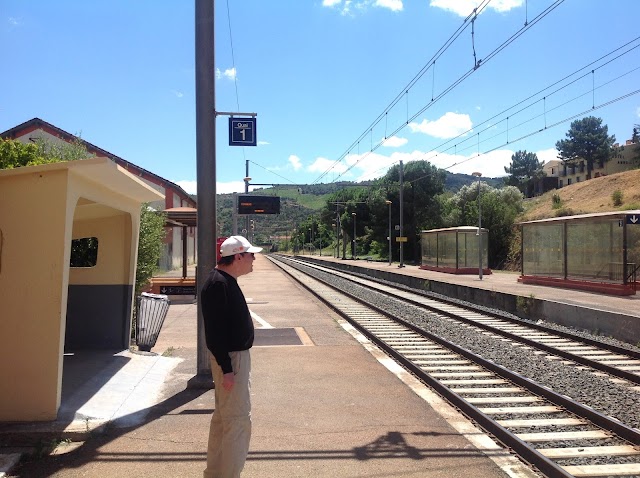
[[533, 325], [603, 367]]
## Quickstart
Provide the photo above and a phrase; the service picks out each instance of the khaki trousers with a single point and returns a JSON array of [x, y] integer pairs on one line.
[[230, 430]]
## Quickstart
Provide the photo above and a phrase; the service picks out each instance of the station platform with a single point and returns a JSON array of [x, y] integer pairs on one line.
[[609, 315], [326, 403]]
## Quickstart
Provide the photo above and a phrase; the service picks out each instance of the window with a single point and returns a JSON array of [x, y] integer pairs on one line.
[[84, 252], [568, 181]]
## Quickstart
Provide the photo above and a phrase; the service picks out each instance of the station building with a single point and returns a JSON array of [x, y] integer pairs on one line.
[[559, 174]]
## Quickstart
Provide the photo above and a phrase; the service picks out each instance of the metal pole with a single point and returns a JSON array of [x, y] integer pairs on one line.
[[234, 215], [401, 214], [480, 252], [478, 175], [353, 251], [389, 238], [205, 168], [246, 191]]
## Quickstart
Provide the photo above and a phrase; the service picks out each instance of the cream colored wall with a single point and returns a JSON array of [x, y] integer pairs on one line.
[[33, 260], [113, 264], [122, 217], [622, 161]]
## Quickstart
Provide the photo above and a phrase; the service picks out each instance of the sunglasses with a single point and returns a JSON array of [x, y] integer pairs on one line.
[[252, 254]]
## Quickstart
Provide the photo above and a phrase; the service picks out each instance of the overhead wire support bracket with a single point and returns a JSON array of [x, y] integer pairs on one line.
[[232, 114]]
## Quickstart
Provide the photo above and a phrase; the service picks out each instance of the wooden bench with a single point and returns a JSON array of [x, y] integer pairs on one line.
[[173, 286]]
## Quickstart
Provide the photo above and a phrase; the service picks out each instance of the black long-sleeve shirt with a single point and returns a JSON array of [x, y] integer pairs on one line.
[[227, 322]]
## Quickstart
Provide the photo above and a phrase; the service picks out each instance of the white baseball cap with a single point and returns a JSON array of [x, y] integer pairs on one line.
[[236, 245]]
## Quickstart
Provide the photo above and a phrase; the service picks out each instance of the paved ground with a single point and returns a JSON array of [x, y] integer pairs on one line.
[[329, 406]]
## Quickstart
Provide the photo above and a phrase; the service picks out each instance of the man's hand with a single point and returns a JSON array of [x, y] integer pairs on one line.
[[228, 380]]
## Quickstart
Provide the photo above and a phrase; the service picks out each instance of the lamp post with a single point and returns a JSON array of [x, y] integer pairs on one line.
[[478, 175], [247, 180], [353, 251], [333, 225], [388, 203]]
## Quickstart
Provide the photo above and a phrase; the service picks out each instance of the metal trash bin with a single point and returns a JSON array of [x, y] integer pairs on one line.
[[151, 312]]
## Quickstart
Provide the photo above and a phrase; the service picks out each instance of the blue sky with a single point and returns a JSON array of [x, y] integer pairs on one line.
[[323, 77]]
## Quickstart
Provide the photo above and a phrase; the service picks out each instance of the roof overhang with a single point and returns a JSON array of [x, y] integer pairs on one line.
[[98, 170], [181, 216]]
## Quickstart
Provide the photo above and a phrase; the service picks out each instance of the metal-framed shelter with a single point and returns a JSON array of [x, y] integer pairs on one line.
[[454, 250], [598, 252]]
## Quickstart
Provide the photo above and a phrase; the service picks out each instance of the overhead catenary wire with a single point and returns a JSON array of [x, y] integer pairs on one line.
[[449, 88], [533, 99], [540, 130], [412, 82]]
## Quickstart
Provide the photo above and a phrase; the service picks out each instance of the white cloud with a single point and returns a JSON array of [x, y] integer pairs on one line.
[[447, 126], [320, 165], [263, 143], [345, 9], [464, 8], [373, 165], [490, 164], [547, 155], [393, 5], [370, 166], [179, 94], [348, 6], [295, 162], [638, 112], [395, 142], [229, 73]]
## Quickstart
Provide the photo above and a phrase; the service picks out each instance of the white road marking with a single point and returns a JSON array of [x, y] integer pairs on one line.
[[263, 323]]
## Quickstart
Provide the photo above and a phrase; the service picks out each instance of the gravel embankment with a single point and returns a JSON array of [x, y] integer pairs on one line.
[[599, 393]]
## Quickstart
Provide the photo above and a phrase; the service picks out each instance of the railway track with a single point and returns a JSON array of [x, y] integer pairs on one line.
[[557, 435], [620, 364]]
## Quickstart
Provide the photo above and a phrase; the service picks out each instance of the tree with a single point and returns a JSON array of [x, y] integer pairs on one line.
[[14, 154], [500, 207], [635, 140], [587, 140], [524, 170], [423, 182], [150, 242]]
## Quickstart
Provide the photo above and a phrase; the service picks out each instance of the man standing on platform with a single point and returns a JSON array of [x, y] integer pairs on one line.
[[229, 333]]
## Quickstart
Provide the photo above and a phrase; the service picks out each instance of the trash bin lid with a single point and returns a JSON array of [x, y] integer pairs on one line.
[[155, 296]]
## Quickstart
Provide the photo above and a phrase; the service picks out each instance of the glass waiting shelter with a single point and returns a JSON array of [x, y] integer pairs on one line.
[[598, 252], [454, 250]]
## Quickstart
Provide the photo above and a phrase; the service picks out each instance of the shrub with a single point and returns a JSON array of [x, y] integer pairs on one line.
[[149, 245], [616, 196], [556, 202]]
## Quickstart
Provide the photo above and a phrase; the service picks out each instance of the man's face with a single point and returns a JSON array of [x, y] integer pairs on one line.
[[246, 261]]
